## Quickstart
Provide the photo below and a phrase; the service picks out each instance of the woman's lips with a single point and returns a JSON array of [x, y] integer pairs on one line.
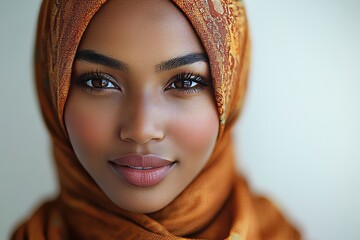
[[142, 170]]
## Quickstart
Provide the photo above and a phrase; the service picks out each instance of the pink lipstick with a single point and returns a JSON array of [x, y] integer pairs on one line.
[[142, 170]]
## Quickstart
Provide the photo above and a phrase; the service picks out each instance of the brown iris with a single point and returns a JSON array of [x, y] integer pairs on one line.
[[100, 83], [183, 84]]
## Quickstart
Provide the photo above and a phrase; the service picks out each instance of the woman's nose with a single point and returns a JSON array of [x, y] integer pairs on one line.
[[142, 121]]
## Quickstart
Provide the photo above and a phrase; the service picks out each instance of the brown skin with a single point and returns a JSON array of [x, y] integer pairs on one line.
[[141, 110]]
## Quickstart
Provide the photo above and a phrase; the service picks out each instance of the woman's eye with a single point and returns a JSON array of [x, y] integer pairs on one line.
[[180, 84], [100, 83], [188, 82]]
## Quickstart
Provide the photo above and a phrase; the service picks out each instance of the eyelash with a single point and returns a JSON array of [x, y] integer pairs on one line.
[[97, 75], [200, 82]]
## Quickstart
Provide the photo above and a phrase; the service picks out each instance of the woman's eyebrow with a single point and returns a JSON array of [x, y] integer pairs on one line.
[[181, 61], [98, 58]]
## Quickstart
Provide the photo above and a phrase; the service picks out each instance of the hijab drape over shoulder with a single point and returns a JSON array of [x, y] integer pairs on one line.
[[217, 203]]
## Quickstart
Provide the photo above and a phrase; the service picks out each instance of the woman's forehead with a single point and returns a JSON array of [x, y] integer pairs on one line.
[[141, 32]]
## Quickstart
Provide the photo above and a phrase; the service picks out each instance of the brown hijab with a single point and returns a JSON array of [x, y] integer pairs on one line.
[[217, 204]]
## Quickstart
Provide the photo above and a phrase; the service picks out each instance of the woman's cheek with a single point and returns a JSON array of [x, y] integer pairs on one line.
[[196, 130], [89, 129]]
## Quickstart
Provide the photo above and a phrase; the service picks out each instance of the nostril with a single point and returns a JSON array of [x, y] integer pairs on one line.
[[141, 135], [142, 122], [126, 139]]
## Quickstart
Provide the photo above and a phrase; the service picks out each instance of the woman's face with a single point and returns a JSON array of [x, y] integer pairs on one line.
[[140, 115]]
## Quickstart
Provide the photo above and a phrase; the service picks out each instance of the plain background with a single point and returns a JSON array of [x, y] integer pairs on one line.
[[299, 134]]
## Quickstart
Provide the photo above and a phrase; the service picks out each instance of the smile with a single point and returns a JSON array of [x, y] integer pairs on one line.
[[142, 170]]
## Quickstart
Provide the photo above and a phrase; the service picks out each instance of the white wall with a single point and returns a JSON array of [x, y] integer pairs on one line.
[[299, 135], [26, 174]]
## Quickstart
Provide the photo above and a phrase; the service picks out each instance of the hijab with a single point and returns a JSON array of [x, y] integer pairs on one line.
[[217, 204]]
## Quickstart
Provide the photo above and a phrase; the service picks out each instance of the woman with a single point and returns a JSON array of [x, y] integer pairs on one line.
[[140, 98]]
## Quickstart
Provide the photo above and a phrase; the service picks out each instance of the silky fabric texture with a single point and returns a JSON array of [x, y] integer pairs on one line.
[[217, 204]]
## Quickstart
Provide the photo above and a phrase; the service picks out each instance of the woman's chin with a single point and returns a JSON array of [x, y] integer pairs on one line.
[[143, 207]]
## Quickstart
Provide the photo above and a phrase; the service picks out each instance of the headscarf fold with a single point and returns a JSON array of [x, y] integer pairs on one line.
[[216, 205]]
